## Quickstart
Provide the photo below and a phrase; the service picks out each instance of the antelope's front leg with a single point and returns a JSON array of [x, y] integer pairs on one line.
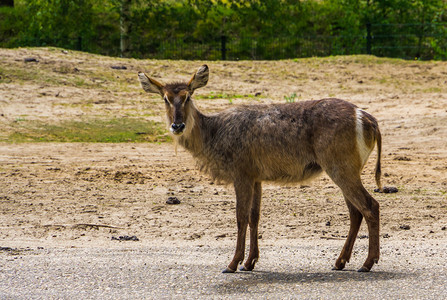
[[253, 256], [244, 196]]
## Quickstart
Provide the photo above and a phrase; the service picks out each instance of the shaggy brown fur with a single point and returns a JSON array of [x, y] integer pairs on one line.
[[285, 143]]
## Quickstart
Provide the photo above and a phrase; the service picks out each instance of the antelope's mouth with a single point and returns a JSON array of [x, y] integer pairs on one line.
[[178, 132], [177, 129]]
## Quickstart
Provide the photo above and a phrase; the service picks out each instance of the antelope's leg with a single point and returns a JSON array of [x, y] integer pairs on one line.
[[360, 199], [355, 219], [253, 222], [369, 208], [372, 217], [244, 195]]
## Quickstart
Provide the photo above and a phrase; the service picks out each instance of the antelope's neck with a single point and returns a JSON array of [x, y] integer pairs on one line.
[[193, 139]]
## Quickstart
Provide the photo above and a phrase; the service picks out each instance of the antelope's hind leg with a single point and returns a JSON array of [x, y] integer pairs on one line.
[[368, 207], [255, 209], [356, 220], [359, 201], [372, 217]]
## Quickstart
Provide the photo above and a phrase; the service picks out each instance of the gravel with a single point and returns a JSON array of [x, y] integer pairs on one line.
[[287, 269]]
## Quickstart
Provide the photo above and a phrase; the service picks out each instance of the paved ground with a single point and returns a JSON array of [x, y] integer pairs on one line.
[[131, 270]]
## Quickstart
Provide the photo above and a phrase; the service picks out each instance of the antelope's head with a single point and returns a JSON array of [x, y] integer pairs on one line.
[[177, 98]]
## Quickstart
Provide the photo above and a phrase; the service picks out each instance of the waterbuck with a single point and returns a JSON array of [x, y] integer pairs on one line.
[[290, 142]]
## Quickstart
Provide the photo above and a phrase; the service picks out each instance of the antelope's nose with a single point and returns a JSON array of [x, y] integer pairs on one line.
[[177, 128]]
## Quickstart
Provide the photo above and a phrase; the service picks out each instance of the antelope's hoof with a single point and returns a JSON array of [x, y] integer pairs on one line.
[[363, 269], [243, 268], [339, 265], [228, 270]]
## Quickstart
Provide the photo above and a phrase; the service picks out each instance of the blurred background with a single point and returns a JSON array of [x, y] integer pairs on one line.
[[230, 30]]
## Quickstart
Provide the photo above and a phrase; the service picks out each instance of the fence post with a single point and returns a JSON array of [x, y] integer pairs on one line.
[[223, 49], [368, 38], [79, 43]]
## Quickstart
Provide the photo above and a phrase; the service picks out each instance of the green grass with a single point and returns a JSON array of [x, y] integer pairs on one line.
[[213, 95], [291, 98], [358, 59], [116, 130]]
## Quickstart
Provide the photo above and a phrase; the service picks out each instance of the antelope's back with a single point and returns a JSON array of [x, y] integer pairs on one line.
[[283, 142]]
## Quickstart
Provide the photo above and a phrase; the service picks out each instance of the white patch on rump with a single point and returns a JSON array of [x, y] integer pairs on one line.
[[364, 150]]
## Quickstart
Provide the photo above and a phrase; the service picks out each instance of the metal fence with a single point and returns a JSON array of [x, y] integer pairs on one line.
[[252, 48], [410, 41], [407, 41]]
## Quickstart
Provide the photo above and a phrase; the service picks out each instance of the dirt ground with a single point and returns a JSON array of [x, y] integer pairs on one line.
[[83, 194]]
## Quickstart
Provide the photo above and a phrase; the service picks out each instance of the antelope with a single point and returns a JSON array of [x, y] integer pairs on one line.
[[286, 143]]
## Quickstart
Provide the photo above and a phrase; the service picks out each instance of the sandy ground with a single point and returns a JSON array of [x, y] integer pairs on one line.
[[75, 195]]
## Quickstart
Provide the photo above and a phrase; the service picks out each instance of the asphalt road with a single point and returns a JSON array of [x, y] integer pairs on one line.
[[291, 269]]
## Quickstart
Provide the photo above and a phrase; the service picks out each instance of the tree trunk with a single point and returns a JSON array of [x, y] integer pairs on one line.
[[125, 28]]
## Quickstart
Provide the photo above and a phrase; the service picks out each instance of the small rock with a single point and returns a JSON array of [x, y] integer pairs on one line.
[[125, 238], [387, 190], [405, 227], [31, 59], [6, 249], [220, 236], [444, 228], [173, 200], [328, 223], [119, 67], [386, 236], [390, 189], [194, 236], [402, 158]]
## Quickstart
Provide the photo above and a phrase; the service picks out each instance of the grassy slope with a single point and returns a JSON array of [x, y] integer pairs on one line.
[[79, 97], [90, 85]]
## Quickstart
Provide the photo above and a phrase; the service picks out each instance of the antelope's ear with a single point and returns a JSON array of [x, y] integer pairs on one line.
[[200, 79], [150, 85]]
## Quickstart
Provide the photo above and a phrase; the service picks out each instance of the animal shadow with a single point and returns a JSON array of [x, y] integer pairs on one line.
[[242, 282]]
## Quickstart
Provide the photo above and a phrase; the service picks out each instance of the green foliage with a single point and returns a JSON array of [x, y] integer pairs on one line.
[[269, 29], [12, 21], [58, 21]]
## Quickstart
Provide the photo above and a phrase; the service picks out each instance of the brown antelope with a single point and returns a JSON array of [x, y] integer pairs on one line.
[[293, 142]]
